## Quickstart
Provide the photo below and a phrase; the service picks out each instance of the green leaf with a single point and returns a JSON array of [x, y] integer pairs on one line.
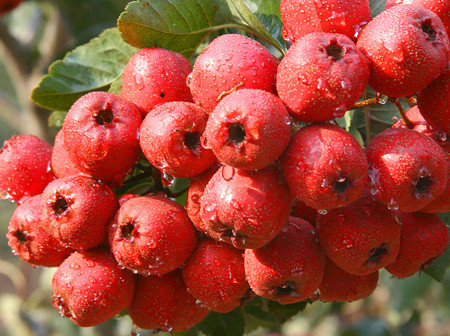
[[56, 119], [218, 324], [90, 67], [256, 314], [377, 6], [439, 267], [284, 312], [181, 25]]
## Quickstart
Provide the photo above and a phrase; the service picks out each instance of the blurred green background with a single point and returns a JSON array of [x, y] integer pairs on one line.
[[31, 38]]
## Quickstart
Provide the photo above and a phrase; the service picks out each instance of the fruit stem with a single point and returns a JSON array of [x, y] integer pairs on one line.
[[400, 109]]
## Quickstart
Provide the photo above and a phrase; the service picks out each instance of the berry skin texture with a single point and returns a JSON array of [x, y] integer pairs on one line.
[[101, 134], [29, 239], [215, 276], [325, 166], [321, 76], [151, 235], [155, 76], [231, 62], [163, 303], [246, 209], [170, 139], [61, 162], [24, 167], [301, 17], [90, 288], [440, 7], [361, 237], [407, 169], [248, 129], [424, 238], [433, 102], [289, 268], [407, 46], [338, 285], [196, 187], [77, 211]]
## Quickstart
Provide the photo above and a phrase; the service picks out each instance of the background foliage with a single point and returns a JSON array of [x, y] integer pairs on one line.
[[56, 51]]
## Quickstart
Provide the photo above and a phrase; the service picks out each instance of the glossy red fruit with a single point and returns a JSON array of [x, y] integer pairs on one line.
[[163, 303], [101, 134], [77, 211], [155, 76], [246, 209], [418, 122], [440, 7], [407, 169], [424, 237], [61, 163], [151, 235], [338, 285], [90, 288], [8, 5], [231, 62], [28, 238], [196, 187], [303, 211], [301, 17], [248, 129], [321, 76], [407, 46], [170, 136], [289, 268], [24, 167], [361, 237], [215, 276], [433, 102], [325, 166]]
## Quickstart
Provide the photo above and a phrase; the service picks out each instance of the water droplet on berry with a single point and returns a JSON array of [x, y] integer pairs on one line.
[[382, 99], [235, 205], [301, 166], [348, 243], [167, 179], [285, 35], [90, 263], [318, 3], [217, 262], [441, 136], [303, 79], [228, 173], [139, 80], [392, 205], [74, 266]]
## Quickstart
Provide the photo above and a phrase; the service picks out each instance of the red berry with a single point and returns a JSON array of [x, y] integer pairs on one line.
[[24, 167], [163, 303], [170, 139], [61, 162], [361, 237], [321, 76], [29, 239], [154, 76], [424, 237], [151, 235], [248, 129], [8, 5], [231, 62], [215, 276], [289, 268], [246, 208], [90, 288], [325, 166], [407, 47], [101, 134], [78, 209]]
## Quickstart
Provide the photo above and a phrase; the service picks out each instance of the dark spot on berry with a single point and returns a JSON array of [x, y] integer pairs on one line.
[[376, 254], [335, 52], [423, 185], [427, 29], [192, 142], [285, 289], [104, 117], [236, 133], [126, 230], [20, 237], [341, 185], [60, 205]]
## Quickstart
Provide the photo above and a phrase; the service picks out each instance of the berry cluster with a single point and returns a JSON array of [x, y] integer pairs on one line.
[[282, 202]]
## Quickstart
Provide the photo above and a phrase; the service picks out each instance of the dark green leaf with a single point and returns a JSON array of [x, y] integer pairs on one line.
[[90, 67], [256, 315], [284, 312], [217, 324], [181, 25], [439, 267], [56, 119]]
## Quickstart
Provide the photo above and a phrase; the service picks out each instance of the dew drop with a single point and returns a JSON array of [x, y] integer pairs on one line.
[[139, 80], [74, 266], [382, 99], [217, 262], [167, 179], [235, 205], [441, 136], [303, 79], [90, 263], [301, 166], [392, 205], [348, 243]]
